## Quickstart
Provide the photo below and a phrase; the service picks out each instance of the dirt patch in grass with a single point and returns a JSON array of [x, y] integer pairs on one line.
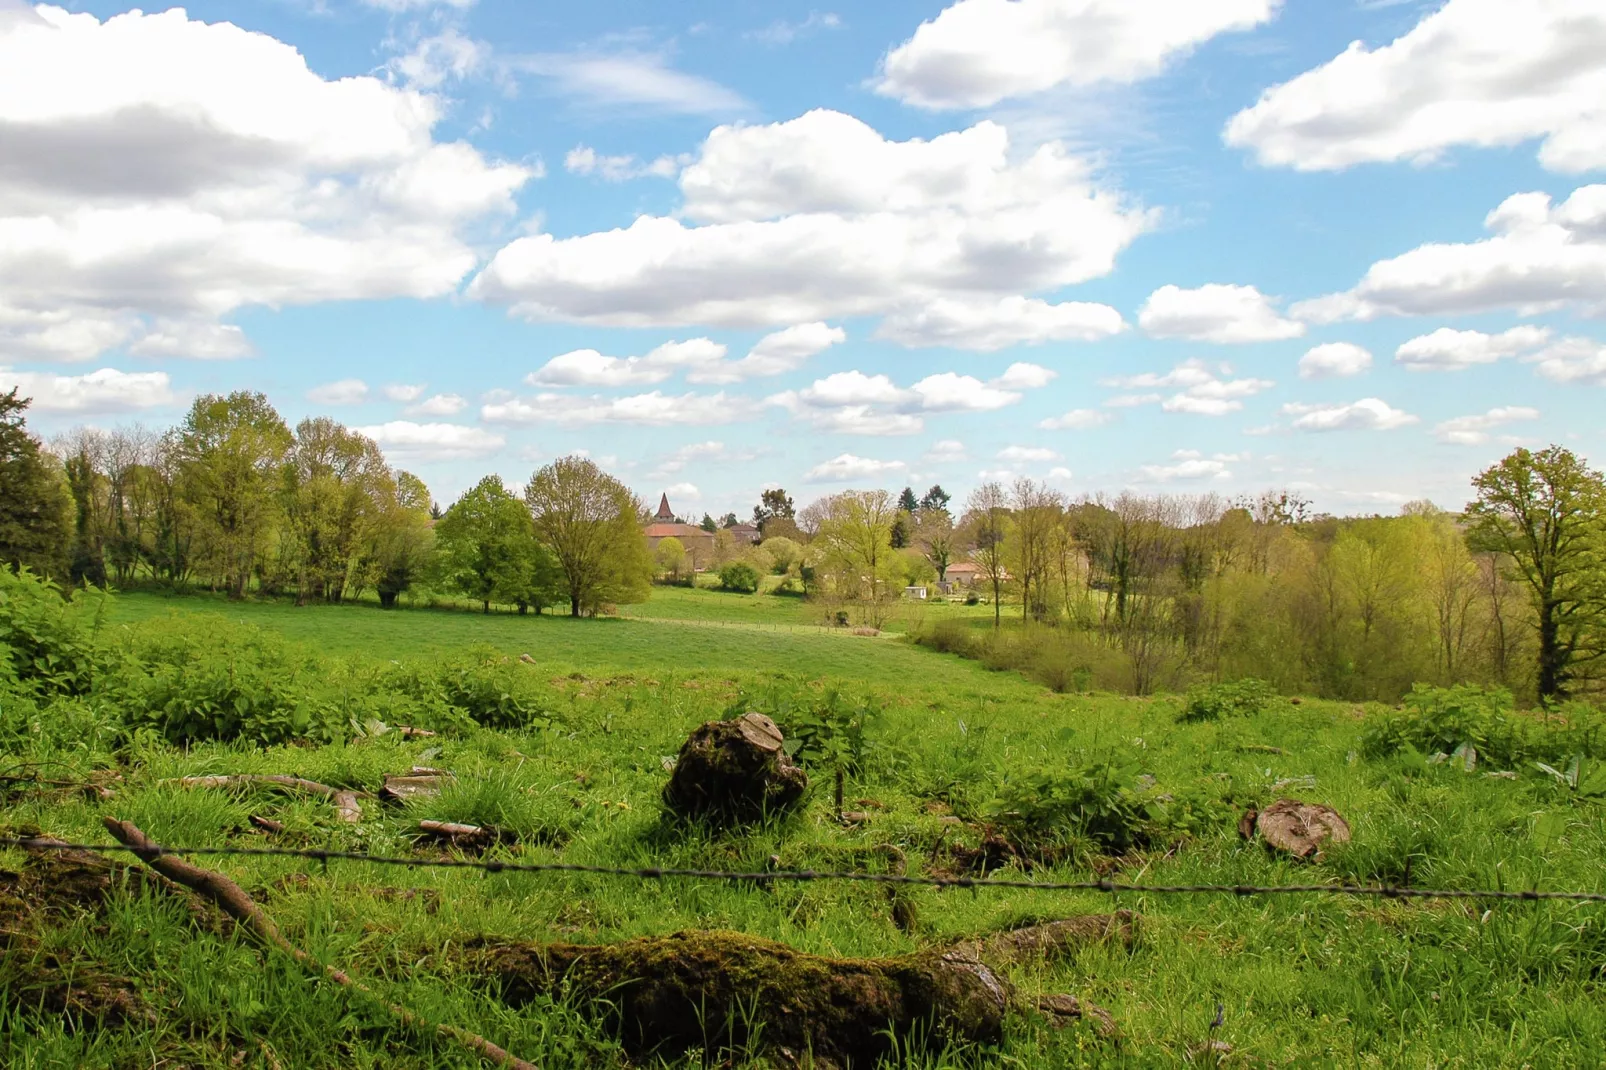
[[40, 977]]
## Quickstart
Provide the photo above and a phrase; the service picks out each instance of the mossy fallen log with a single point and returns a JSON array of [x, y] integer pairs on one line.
[[719, 991]]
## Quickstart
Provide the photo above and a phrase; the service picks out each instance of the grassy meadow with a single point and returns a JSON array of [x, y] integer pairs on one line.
[[950, 752]]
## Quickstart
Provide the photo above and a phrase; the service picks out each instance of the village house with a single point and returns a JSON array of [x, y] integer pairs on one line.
[[699, 544], [746, 534]]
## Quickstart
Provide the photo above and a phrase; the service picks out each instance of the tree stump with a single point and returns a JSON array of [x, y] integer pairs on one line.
[[1297, 828], [734, 772]]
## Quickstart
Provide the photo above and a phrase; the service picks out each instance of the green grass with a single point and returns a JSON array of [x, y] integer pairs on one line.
[[1310, 980], [591, 645]]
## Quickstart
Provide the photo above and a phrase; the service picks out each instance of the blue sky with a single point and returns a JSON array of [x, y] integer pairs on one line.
[[1356, 249]]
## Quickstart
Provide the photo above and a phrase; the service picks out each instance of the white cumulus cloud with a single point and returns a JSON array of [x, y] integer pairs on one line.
[[1449, 350], [1215, 312], [1187, 466], [976, 53], [585, 160], [852, 402], [655, 409], [340, 392], [774, 354], [1367, 414], [408, 442], [1541, 256], [1473, 72], [1334, 360], [846, 468], [1201, 389], [402, 391], [162, 172], [438, 405], [945, 451], [99, 392], [1475, 430], [1076, 420], [820, 217], [1027, 454], [1572, 360], [992, 324]]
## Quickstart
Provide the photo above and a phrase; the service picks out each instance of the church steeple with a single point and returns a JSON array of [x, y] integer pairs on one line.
[[665, 514]]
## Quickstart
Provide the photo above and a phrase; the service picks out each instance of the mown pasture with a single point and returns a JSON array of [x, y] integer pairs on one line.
[[1089, 784]]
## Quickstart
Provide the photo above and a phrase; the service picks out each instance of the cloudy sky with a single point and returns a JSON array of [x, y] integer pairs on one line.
[[1356, 248]]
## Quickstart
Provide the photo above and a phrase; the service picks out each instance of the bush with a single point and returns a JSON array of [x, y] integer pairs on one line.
[[1240, 698], [738, 576], [51, 641], [1440, 720], [1043, 812], [215, 681], [948, 637]]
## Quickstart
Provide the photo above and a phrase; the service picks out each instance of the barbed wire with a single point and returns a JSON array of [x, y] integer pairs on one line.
[[325, 856]]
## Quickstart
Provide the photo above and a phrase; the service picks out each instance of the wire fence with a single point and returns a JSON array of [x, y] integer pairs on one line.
[[323, 856]]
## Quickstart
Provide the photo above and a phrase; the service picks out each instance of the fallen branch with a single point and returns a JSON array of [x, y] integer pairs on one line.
[[232, 900], [344, 801], [475, 837]]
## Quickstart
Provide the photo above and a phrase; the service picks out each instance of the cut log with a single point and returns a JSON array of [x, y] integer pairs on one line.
[[266, 824], [734, 772], [719, 990], [1294, 827]]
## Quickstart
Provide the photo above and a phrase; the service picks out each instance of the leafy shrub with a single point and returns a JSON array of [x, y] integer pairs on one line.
[[1442, 719], [1044, 811], [50, 639], [1239, 698], [738, 576], [947, 637], [216, 681], [483, 686]]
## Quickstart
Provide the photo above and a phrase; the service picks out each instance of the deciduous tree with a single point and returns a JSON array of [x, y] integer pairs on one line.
[[589, 520], [1542, 511]]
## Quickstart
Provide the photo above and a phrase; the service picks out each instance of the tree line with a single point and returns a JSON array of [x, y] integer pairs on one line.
[[236, 500], [1509, 592]]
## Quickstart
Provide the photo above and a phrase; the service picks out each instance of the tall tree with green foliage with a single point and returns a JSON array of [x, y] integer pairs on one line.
[[986, 527], [907, 502], [1543, 512], [773, 504], [935, 499], [231, 449], [487, 549], [403, 538], [36, 509], [591, 523]]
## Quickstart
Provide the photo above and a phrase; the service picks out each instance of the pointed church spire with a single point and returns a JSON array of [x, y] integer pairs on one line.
[[665, 514]]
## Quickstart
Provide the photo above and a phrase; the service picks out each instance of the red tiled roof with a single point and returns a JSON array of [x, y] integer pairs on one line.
[[679, 531]]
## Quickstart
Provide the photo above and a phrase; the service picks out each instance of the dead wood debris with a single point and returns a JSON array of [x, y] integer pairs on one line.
[[1294, 827], [417, 783], [467, 837], [345, 802], [734, 772], [232, 900], [722, 990]]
